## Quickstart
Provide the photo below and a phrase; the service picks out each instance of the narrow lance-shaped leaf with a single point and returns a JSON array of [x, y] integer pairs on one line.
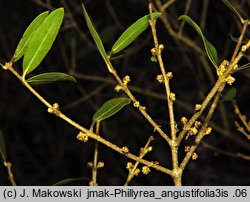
[[22, 45], [50, 77], [210, 49], [133, 32], [96, 38], [2, 146], [110, 107], [69, 180], [230, 6], [42, 40], [229, 94]]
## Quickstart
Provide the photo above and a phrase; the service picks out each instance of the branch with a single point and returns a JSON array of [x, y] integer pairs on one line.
[[202, 132], [55, 110]]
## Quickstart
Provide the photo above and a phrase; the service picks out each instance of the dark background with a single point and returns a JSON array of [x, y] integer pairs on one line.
[[44, 150]]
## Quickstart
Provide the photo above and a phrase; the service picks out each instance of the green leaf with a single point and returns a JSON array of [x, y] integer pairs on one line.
[[110, 107], [50, 77], [229, 94], [230, 6], [96, 38], [210, 49], [133, 32], [22, 45], [69, 180], [2, 146], [42, 40]]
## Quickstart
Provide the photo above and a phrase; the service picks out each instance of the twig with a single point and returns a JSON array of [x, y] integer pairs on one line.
[[95, 162], [241, 116], [143, 152], [242, 130], [177, 37], [91, 134], [240, 39], [42, 4], [86, 97], [152, 23], [174, 148], [221, 80], [201, 133], [204, 13], [167, 4], [11, 176], [219, 151], [187, 7], [179, 103], [142, 109]]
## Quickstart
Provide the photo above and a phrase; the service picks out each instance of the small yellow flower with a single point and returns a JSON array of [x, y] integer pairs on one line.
[[136, 104], [243, 48], [149, 149], [50, 110], [145, 170], [222, 68], [125, 150], [100, 164], [235, 67], [56, 106], [187, 148], [230, 80], [160, 78], [197, 124], [82, 137], [197, 107], [129, 165], [137, 171], [169, 75], [172, 97], [153, 51], [184, 120], [161, 47], [208, 131], [126, 80], [192, 131], [194, 156], [118, 88]]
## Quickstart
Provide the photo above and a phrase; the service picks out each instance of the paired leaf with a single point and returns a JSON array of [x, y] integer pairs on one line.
[[96, 38], [133, 32], [229, 94], [50, 77], [109, 108], [69, 180], [42, 40], [22, 45], [230, 6], [2, 146], [210, 49]]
